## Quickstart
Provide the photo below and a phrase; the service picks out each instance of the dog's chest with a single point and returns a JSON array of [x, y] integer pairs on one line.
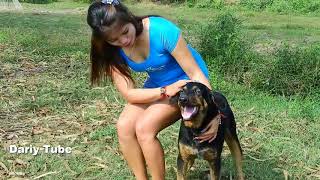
[[207, 153]]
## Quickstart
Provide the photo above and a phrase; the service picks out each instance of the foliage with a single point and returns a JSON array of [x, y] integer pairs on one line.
[[39, 1], [296, 71], [222, 45], [256, 4], [283, 6], [289, 71], [46, 99], [84, 1]]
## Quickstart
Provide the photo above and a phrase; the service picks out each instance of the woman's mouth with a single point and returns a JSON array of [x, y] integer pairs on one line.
[[127, 44]]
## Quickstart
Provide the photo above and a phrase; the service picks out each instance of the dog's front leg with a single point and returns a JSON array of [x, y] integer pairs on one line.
[[215, 167], [183, 165], [214, 161], [182, 168]]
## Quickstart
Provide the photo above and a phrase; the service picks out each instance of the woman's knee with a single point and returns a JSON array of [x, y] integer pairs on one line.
[[144, 131], [125, 128]]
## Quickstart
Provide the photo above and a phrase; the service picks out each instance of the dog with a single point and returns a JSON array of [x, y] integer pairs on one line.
[[199, 106]]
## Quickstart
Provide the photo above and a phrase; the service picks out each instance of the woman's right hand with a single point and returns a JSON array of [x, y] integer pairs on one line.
[[174, 88]]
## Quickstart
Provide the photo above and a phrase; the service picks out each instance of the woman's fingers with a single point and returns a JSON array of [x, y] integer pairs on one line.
[[209, 137], [201, 137], [214, 137], [183, 82], [205, 139]]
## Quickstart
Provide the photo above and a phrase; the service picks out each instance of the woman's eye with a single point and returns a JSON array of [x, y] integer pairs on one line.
[[125, 32]]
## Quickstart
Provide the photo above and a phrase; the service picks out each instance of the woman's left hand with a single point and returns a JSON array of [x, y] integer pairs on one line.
[[210, 132]]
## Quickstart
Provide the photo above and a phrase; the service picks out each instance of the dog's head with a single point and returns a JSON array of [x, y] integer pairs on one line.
[[194, 101]]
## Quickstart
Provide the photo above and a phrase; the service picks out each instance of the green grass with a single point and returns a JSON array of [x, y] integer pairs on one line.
[[44, 80]]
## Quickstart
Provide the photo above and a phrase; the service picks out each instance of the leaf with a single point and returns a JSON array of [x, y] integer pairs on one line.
[[285, 174], [3, 166], [45, 174], [12, 136], [37, 130], [101, 165], [20, 162], [17, 174]]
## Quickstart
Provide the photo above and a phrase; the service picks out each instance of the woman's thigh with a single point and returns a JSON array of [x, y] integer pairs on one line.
[[127, 120], [156, 117]]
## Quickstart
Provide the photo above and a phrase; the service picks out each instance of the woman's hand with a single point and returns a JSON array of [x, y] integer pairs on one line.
[[210, 132], [174, 88]]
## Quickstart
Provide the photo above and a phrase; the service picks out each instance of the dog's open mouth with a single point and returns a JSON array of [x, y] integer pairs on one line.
[[188, 111]]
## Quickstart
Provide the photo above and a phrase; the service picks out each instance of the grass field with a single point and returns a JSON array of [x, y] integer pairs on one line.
[[46, 99]]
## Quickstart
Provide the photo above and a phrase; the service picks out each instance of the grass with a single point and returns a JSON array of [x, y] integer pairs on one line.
[[46, 99]]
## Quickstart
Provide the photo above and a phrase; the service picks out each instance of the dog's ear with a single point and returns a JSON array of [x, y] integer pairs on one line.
[[219, 100], [208, 96], [174, 99]]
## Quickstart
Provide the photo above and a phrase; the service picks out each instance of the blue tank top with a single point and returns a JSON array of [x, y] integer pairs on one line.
[[160, 65]]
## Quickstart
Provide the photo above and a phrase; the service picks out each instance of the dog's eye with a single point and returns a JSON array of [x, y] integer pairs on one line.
[[198, 92]]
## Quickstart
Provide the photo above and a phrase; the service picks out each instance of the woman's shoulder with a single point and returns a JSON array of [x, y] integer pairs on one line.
[[164, 31], [160, 21]]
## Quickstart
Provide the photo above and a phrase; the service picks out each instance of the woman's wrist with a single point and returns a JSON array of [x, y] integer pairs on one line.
[[163, 92]]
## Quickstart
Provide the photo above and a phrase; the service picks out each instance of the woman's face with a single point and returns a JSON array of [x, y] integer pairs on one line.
[[122, 36]]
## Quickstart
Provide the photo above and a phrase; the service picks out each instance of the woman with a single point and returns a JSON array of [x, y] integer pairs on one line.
[[122, 41]]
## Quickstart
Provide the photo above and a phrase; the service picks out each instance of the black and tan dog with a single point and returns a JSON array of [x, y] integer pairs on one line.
[[198, 107]]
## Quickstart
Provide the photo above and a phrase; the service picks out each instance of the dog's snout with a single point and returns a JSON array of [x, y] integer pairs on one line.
[[183, 99]]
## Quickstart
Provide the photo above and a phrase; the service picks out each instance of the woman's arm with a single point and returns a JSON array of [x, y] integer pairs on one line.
[[132, 94], [185, 59], [136, 95]]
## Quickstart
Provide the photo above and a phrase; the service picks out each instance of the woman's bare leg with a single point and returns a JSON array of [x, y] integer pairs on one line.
[[155, 118], [128, 140]]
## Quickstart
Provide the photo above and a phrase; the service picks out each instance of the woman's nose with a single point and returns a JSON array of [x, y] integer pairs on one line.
[[123, 40]]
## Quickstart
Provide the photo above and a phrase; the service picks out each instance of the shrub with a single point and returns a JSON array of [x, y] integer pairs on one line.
[[39, 1], [217, 4], [84, 1], [296, 71], [196, 3], [283, 6], [222, 46], [293, 71], [289, 71], [256, 4]]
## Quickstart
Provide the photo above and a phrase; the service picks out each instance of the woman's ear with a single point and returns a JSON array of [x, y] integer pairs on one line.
[[174, 99]]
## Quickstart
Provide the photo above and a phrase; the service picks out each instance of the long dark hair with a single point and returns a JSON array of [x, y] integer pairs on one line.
[[104, 56]]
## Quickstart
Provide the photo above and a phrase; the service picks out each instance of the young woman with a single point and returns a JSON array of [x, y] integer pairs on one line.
[[122, 41]]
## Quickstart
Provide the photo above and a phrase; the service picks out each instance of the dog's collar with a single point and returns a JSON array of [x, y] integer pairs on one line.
[[197, 132]]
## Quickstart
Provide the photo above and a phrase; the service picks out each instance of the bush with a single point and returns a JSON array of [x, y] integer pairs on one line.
[[217, 4], [196, 3], [223, 47], [283, 6], [256, 4], [84, 1], [296, 71], [288, 71], [293, 71], [39, 1]]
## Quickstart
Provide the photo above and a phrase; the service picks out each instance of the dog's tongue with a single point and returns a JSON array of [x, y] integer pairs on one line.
[[188, 111]]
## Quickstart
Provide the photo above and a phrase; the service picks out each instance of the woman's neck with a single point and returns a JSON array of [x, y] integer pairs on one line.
[[140, 39]]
